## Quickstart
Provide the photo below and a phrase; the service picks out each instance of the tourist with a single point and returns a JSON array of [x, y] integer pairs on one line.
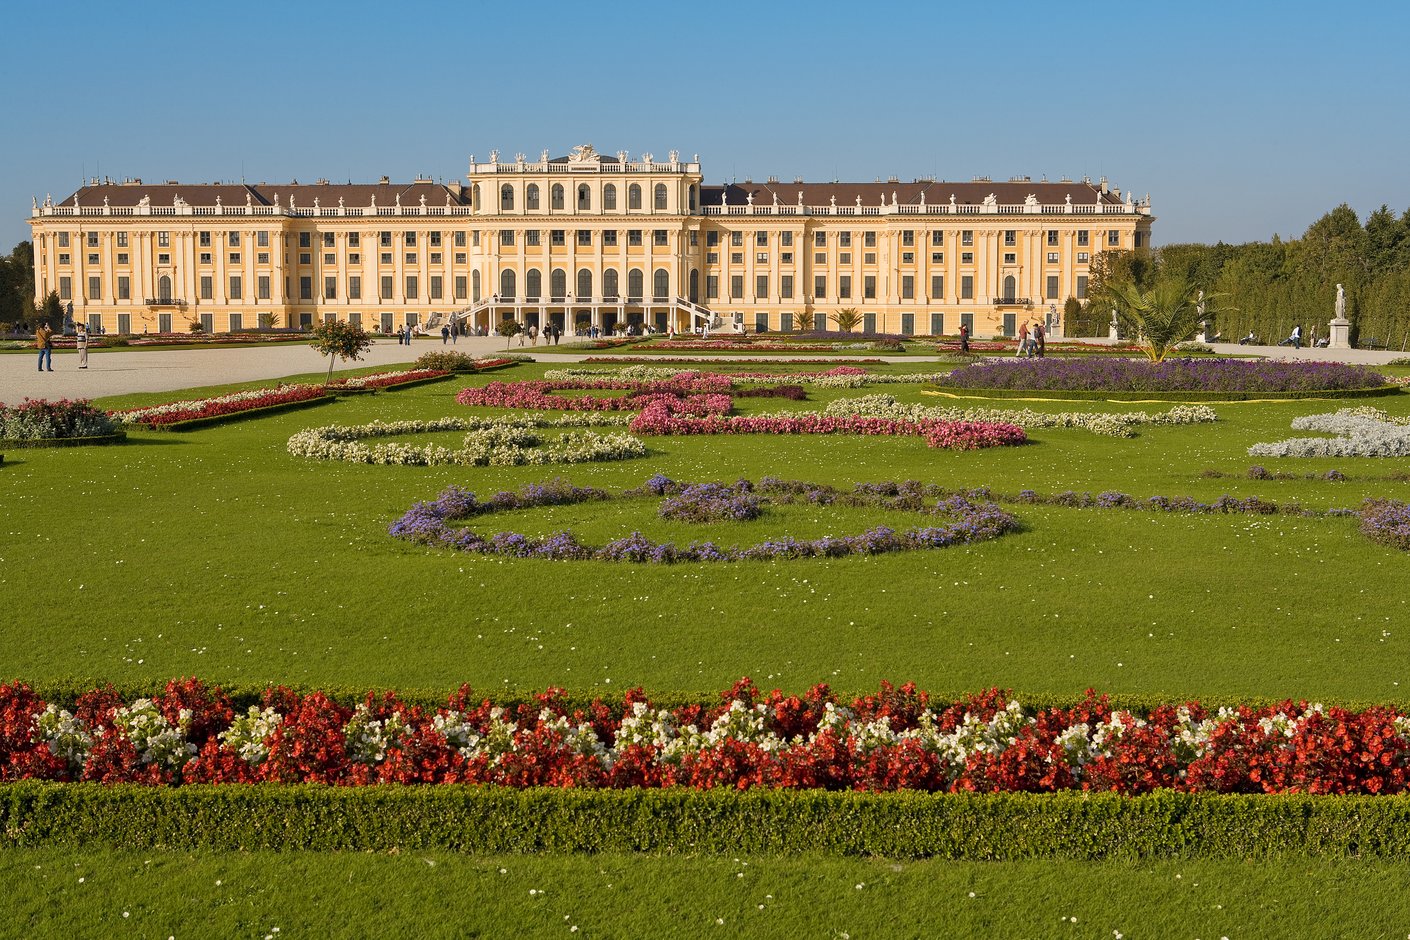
[[964, 338], [557, 334], [533, 336], [44, 341], [80, 341], [454, 332], [445, 334], [1022, 340], [1038, 345], [1294, 339]]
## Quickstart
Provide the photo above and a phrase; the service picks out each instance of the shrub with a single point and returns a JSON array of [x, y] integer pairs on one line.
[[36, 419]]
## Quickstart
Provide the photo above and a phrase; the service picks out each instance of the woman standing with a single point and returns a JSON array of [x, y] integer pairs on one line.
[[81, 344]]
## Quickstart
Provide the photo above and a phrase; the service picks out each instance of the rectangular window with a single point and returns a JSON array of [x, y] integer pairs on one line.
[[460, 257], [844, 257], [908, 257], [163, 258], [354, 287], [844, 287], [736, 257], [761, 257], [531, 238], [1010, 257], [124, 291], [93, 259], [435, 287], [354, 240], [63, 259], [305, 239], [937, 324], [262, 239], [967, 287], [1052, 257], [237, 322], [908, 287], [712, 286], [163, 239], [411, 286], [937, 257], [327, 239], [460, 287], [869, 240], [435, 239], [967, 236], [1010, 326], [785, 287], [819, 287], [122, 257], [633, 238], [820, 239], [844, 239], [410, 238], [712, 239], [937, 286], [1113, 239], [329, 258], [459, 239], [937, 239], [785, 322], [65, 288], [609, 238], [386, 287], [761, 239], [506, 236], [305, 288], [736, 239], [235, 287], [1081, 287], [63, 239], [712, 257], [869, 287], [908, 324], [761, 322], [263, 258], [761, 286], [203, 239], [1083, 238], [557, 237], [868, 323], [330, 288], [262, 287], [658, 236], [736, 287], [785, 239], [966, 257], [908, 238], [1010, 238], [1052, 237], [584, 236], [1083, 257], [122, 239], [786, 257], [1052, 287], [306, 257], [234, 257], [819, 257], [694, 239], [207, 287], [95, 288], [411, 257]]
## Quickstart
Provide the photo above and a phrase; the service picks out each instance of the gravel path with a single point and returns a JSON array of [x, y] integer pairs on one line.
[[120, 372]]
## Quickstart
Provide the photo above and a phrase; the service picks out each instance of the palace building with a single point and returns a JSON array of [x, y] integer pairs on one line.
[[586, 239]]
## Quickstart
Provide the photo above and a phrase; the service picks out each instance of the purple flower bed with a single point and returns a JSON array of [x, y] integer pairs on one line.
[[1387, 521], [964, 521], [1172, 375], [712, 502]]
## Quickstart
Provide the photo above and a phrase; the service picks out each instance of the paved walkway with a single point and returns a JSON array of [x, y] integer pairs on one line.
[[121, 372]]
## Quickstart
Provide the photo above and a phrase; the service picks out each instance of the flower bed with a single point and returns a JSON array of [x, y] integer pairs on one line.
[[716, 363], [689, 393], [451, 360], [1223, 377], [501, 442], [213, 339], [896, 739], [1106, 423], [390, 379], [37, 422], [1387, 521], [429, 523], [183, 414], [1360, 432], [658, 418], [839, 377]]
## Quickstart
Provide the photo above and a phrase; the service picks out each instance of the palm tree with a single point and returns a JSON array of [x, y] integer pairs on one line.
[[847, 319], [1164, 316]]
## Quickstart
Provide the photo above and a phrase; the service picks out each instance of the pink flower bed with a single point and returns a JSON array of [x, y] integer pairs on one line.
[[717, 361], [657, 418], [538, 394]]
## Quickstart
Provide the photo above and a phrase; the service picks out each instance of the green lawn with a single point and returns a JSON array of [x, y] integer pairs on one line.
[[217, 554]]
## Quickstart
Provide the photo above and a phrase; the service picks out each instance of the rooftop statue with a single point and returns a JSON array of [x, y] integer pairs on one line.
[[583, 153]]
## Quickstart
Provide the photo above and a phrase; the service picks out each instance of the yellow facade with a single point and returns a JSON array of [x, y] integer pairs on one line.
[[584, 240]]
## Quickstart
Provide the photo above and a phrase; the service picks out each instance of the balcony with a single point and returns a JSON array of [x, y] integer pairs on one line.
[[1013, 302], [164, 302]]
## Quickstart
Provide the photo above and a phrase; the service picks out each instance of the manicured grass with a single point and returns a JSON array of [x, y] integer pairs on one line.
[[220, 555], [65, 893]]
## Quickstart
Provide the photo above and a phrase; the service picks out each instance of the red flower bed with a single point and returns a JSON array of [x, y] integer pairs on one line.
[[234, 403], [389, 379], [212, 339], [709, 392], [896, 739]]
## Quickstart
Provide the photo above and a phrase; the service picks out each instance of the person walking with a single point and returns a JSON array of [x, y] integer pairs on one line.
[[1022, 340], [1038, 343], [454, 333], [44, 341], [81, 344], [964, 338], [445, 335]]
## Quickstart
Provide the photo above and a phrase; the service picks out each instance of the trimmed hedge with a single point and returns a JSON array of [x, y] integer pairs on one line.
[[1191, 396], [1003, 827], [117, 437], [195, 423]]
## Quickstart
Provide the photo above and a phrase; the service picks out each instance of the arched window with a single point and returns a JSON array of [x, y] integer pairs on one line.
[[694, 286], [506, 284], [609, 198], [584, 283], [634, 282], [533, 284], [475, 286], [506, 198], [164, 288], [660, 195], [694, 197], [531, 196], [584, 197], [662, 284], [609, 282], [1010, 288], [634, 196], [558, 284], [556, 196]]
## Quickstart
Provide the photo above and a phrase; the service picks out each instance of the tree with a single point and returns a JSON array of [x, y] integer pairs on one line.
[[1071, 311], [509, 328], [847, 319], [17, 284], [51, 311], [339, 339], [1165, 315]]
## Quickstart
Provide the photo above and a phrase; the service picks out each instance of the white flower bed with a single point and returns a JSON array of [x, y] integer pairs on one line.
[[1112, 425], [505, 441], [143, 415], [1360, 432]]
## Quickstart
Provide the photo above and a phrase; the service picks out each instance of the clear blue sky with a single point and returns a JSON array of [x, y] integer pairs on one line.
[[1241, 119]]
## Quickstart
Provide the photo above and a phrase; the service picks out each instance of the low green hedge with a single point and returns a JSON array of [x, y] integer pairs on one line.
[[117, 437], [213, 420], [1086, 395], [895, 825]]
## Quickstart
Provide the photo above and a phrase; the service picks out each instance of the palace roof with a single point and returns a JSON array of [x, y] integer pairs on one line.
[[121, 195], [909, 194]]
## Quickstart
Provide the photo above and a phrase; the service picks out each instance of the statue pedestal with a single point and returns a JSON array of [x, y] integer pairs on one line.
[[1340, 333], [1113, 333]]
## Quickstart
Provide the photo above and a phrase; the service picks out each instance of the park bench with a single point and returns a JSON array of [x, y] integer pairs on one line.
[[1371, 343]]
